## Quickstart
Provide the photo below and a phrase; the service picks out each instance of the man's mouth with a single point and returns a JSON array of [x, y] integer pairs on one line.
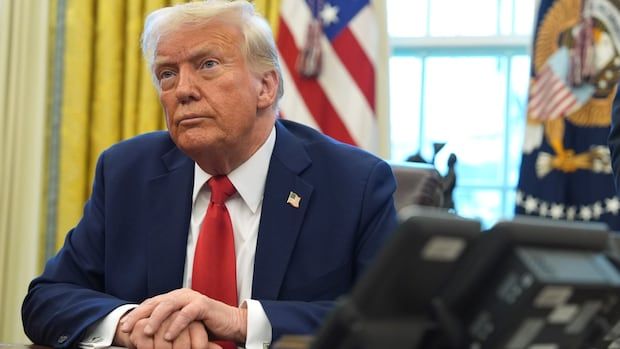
[[190, 119]]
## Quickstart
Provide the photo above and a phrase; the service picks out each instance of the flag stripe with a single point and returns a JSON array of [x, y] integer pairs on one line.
[[312, 94], [357, 63], [550, 98], [559, 106], [541, 100], [541, 80], [555, 101], [347, 99], [290, 102], [368, 39], [343, 94]]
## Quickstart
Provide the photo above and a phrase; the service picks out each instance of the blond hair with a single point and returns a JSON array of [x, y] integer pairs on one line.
[[258, 47]]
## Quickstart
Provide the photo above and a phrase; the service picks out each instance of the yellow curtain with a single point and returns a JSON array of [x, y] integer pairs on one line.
[[107, 95], [23, 41], [270, 9]]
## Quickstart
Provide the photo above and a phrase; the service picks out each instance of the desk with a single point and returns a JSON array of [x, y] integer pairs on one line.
[[286, 342], [28, 346], [291, 342]]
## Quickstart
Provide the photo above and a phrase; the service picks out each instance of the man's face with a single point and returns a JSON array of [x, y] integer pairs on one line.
[[209, 95]]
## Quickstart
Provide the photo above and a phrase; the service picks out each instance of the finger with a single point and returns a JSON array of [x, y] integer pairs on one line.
[[121, 338], [159, 314], [138, 338], [140, 312], [185, 316], [143, 342], [145, 310], [183, 341], [129, 345], [198, 335], [158, 338], [214, 346], [160, 342]]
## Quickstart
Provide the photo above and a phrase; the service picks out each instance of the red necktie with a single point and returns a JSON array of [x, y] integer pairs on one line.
[[215, 273]]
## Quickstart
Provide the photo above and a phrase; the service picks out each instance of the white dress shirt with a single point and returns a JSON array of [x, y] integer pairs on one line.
[[244, 208]]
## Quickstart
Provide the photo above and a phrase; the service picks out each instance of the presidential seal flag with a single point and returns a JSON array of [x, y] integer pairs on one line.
[[329, 50], [565, 168]]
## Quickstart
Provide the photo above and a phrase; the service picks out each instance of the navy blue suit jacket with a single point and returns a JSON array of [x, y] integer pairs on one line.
[[131, 241]]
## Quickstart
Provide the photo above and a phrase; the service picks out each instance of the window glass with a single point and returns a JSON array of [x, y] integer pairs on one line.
[[464, 108], [508, 203], [407, 18], [469, 97], [517, 106], [506, 11], [405, 92], [482, 204], [524, 17], [463, 18]]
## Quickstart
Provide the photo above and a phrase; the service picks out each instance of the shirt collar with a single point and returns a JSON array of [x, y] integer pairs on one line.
[[249, 178]]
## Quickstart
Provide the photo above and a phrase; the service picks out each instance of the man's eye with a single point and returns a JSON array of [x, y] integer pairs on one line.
[[166, 74], [209, 64]]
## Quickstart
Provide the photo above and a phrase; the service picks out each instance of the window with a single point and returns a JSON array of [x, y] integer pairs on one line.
[[459, 73]]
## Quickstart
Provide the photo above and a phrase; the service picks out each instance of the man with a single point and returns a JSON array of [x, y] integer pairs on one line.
[[302, 215]]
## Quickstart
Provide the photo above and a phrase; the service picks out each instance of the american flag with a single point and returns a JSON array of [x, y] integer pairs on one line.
[[561, 87], [339, 99], [566, 165], [550, 94]]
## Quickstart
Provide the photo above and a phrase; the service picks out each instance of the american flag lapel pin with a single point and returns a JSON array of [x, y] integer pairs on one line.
[[293, 199]]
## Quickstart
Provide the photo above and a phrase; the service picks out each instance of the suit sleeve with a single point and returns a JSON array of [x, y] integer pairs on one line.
[[377, 221], [68, 297], [614, 140]]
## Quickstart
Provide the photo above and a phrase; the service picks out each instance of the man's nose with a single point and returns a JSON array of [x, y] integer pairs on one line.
[[187, 89]]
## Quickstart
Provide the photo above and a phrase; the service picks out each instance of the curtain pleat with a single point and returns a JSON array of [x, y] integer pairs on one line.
[[107, 94], [76, 112], [150, 112], [133, 68], [23, 43], [105, 126], [270, 9]]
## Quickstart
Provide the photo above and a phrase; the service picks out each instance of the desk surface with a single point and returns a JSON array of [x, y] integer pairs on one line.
[[286, 342], [293, 342]]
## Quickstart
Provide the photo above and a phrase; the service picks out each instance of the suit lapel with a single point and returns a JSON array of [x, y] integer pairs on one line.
[[170, 198], [280, 221]]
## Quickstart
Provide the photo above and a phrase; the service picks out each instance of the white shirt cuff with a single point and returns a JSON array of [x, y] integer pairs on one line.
[[101, 333], [259, 327]]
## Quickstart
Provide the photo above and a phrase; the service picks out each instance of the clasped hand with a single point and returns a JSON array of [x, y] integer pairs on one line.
[[181, 318]]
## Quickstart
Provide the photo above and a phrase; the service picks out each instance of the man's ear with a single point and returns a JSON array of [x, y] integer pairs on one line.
[[269, 89]]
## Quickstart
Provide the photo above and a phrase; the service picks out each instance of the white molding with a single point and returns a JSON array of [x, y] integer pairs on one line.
[[456, 42]]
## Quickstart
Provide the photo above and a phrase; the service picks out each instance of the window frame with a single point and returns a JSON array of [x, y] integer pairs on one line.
[[505, 48]]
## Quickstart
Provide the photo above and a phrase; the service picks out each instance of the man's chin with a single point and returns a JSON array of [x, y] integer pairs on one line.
[[194, 146]]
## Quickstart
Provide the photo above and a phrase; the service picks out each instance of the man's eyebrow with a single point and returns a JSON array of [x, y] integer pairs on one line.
[[194, 54]]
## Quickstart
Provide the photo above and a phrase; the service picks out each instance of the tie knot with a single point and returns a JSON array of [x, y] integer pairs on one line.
[[221, 189]]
